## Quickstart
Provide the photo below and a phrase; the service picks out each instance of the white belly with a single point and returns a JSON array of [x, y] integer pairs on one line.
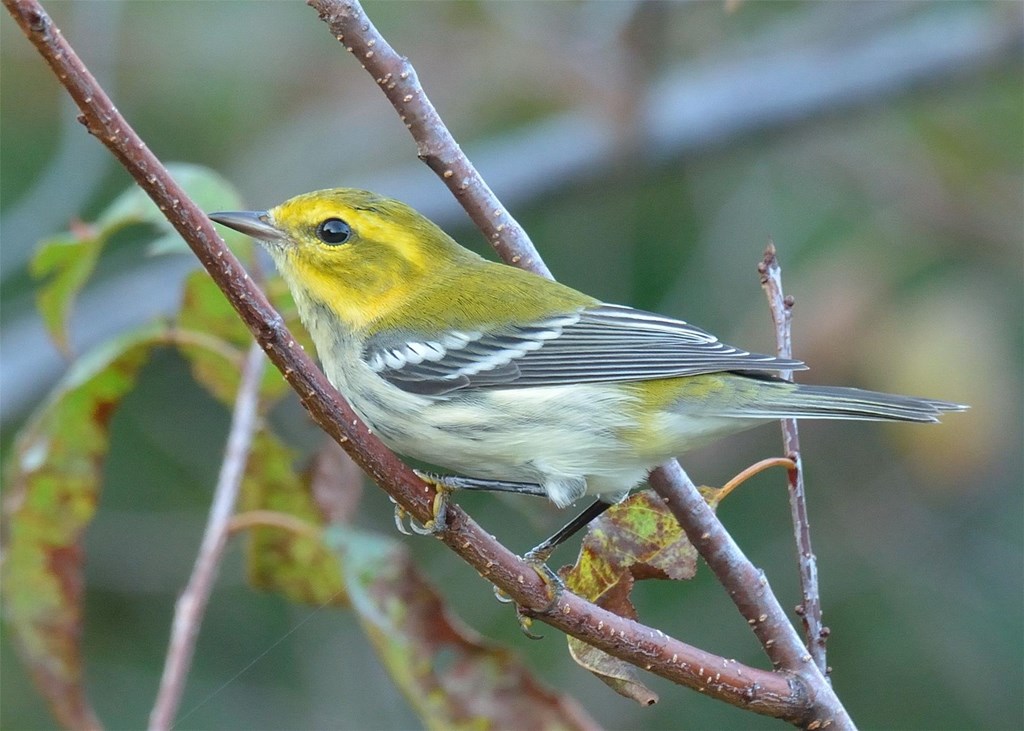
[[549, 436]]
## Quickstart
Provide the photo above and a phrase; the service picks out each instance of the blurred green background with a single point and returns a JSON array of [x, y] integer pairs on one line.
[[650, 149]]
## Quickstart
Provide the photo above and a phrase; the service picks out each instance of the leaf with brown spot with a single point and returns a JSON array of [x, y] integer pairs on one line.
[[451, 676], [53, 485], [636, 539]]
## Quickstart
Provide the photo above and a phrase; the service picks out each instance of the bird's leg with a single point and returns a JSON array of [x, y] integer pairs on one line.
[[538, 556], [444, 485], [438, 508], [542, 552], [454, 482]]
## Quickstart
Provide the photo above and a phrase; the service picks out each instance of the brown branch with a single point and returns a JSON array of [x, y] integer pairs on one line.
[[796, 696], [751, 688], [188, 612], [810, 606]]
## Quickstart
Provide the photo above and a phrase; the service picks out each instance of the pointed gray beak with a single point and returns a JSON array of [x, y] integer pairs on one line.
[[251, 223]]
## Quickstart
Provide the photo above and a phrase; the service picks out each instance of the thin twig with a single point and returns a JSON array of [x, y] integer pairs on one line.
[[797, 696], [397, 77], [748, 472], [274, 519], [809, 608], [191, 605]]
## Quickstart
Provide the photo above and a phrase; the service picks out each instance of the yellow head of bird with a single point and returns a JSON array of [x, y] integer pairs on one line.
[[352, 249]]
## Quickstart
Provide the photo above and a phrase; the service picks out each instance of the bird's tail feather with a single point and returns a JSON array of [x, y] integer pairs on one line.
[[784, 400]]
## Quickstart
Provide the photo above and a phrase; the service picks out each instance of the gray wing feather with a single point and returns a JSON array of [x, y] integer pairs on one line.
[[607, 343]]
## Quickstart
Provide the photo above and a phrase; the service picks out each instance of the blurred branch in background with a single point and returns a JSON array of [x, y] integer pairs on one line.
[[711, 102], [191, 605], [64, 187]]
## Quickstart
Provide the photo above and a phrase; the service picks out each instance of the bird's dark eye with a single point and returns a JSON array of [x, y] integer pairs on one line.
[[334, 231]]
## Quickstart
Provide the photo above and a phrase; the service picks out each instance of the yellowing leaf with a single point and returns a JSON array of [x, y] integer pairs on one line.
[[214, 340], [298, 566], [618, 675], [205, 309], [637, 539]]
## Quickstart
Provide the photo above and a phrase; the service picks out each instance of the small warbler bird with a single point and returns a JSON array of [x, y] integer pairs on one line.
[[500, 374]]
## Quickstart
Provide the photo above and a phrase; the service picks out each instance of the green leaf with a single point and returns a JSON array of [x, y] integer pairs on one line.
[[53, 485], [212, 337], [67, 260], [208, 189], [204, 308]]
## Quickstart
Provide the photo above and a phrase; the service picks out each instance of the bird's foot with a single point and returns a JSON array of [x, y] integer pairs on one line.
[[552, 582], [438, 509]]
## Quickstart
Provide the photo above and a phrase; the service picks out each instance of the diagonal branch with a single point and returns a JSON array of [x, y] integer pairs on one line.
[[810, 606], [796, 695]]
